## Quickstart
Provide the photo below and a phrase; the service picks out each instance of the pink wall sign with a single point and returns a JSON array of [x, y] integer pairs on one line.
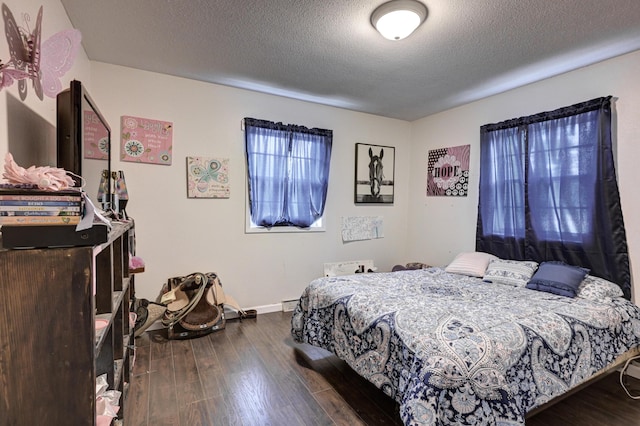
[[95, 137], [448, 171], [146, 141]]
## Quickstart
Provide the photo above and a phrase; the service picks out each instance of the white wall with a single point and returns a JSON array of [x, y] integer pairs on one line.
[[177, 235], [27, 128], [442, 227]]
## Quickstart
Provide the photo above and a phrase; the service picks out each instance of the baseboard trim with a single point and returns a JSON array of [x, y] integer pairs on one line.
[[230, 314], [265, 309]]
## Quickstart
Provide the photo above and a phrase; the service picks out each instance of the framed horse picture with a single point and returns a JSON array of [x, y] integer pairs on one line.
[[375, 168]]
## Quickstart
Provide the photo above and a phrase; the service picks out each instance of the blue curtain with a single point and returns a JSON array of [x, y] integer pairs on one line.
[[501, 212], [548, 191], [288, 171]]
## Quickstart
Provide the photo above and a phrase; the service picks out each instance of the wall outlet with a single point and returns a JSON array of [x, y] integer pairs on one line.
[[289, 305]]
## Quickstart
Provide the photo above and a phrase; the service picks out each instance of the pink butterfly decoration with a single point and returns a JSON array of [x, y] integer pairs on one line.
[[43, 65], [58, 54], [8, 75]]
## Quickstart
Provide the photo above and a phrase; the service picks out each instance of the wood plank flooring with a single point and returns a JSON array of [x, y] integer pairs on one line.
[[250, 374]]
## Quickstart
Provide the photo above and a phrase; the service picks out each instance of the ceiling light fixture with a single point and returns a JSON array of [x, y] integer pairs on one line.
[[397, 19]]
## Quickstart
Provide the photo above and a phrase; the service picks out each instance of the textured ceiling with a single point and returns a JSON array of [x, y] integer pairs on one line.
[[327, 51]]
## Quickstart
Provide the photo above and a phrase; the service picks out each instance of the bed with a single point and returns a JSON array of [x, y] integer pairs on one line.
[[455, 349]]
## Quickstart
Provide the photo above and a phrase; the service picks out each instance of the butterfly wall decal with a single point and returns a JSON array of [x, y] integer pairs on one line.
[[41, 63]]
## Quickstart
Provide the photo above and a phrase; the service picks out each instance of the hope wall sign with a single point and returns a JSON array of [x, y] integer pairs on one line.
[[448, 171]]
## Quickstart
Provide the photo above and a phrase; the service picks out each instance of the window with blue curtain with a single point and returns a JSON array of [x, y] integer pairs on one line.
[[548, 191], [288, 173]]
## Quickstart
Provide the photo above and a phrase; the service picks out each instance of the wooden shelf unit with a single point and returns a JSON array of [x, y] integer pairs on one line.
[[50, 351]]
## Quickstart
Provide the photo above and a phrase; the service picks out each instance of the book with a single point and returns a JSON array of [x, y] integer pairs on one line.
[[39, 220], [16, 206], [27, 203], [15, 197], [39, 208], [39, 213], [22, 192]]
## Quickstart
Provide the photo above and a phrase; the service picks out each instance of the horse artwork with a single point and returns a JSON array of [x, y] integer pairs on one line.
[[374, 177], [375, 172]]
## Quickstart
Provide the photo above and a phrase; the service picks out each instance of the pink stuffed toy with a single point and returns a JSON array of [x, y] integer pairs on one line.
[[46, 178]]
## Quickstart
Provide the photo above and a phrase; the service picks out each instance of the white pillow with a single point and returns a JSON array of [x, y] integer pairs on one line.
[[511, 272], [473, 264], [598, 289]]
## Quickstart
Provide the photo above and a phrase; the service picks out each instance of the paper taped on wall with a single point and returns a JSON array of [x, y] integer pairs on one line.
[[357, 228]]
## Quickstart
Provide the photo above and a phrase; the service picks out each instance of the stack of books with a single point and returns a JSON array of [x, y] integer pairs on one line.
[[32, 218], [26, 207]]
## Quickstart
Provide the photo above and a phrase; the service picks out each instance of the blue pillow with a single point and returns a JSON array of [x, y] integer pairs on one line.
[[557, 278]]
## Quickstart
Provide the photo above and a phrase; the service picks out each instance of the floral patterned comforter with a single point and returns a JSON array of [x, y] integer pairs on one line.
[[452, 349]]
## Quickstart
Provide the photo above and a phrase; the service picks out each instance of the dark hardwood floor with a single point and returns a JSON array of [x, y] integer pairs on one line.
[[250, 374]]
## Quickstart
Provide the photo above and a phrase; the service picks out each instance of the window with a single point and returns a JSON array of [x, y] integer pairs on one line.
[[288, 173], [548, 191], [503, 187], [562, 176]]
